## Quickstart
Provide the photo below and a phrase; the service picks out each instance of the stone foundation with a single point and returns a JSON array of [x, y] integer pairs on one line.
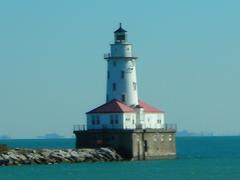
[[138, 144]]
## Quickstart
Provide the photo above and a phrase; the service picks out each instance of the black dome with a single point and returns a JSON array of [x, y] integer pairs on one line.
[[120, 29]]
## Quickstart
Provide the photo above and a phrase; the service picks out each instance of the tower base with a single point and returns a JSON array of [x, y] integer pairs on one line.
[[138, 144]]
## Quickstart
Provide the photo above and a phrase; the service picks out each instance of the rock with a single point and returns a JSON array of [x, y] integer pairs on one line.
[[64, 154], [45, 154], [12, 156], [103, 158], [5, 157], [3, 161], [85, 154], [1, 158], [20, 156], [74, 154]]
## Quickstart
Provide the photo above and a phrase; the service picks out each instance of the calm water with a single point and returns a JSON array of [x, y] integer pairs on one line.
[[198, 158]]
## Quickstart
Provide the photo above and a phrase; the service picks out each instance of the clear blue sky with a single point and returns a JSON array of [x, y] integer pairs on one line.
[[52, 69]]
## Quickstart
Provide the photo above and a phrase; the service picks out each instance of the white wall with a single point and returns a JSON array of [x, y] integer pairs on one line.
[[125, 120], [121, 50], [126, 86], [129, 120], [105, 121], [154, 120]]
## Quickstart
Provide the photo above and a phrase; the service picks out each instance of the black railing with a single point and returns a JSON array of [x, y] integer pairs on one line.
[[170, 126], [80, 127], [83, 127], [110, 56], [107, 55]]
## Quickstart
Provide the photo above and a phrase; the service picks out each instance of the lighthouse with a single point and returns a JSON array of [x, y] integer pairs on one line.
[[134, 128], [123, 109], [121, 70]]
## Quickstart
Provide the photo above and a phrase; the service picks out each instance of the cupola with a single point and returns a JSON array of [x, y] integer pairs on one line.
[[120, 34]]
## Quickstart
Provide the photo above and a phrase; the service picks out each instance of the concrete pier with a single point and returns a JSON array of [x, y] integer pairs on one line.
[[138, 144]]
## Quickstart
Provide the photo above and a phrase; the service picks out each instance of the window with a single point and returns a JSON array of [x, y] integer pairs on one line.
[[111, 119], [114, 86], [93, 120], [123, 98], [98, 120], [122, 74], [114, 63], [134, 86], [159, 121], [114, 119], [121, 37], [128, 117], [108, 74]]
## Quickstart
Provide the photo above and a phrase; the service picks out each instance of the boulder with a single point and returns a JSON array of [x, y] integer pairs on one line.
[[20, 156]]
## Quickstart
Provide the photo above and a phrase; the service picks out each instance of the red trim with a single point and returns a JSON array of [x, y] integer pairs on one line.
[[113, 106], [148, 108], [116, 106]]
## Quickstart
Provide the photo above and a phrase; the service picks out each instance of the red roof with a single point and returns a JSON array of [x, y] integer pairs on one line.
[[148, 108], [113, 106]]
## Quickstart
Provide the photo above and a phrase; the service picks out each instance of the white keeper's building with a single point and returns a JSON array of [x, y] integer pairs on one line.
[[123, 109]]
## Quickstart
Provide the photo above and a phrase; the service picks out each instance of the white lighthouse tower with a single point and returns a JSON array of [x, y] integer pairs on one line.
[[123, 109], [121, 74]]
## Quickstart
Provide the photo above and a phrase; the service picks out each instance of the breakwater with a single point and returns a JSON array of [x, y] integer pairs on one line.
[[19, 156]]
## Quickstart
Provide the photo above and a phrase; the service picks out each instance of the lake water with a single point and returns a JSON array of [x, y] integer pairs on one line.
[[200, 158]]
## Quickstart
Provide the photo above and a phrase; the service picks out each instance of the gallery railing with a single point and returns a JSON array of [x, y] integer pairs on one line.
[[83, 127], [107, 55], [110, 56], [80, 127], [170, 126]]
